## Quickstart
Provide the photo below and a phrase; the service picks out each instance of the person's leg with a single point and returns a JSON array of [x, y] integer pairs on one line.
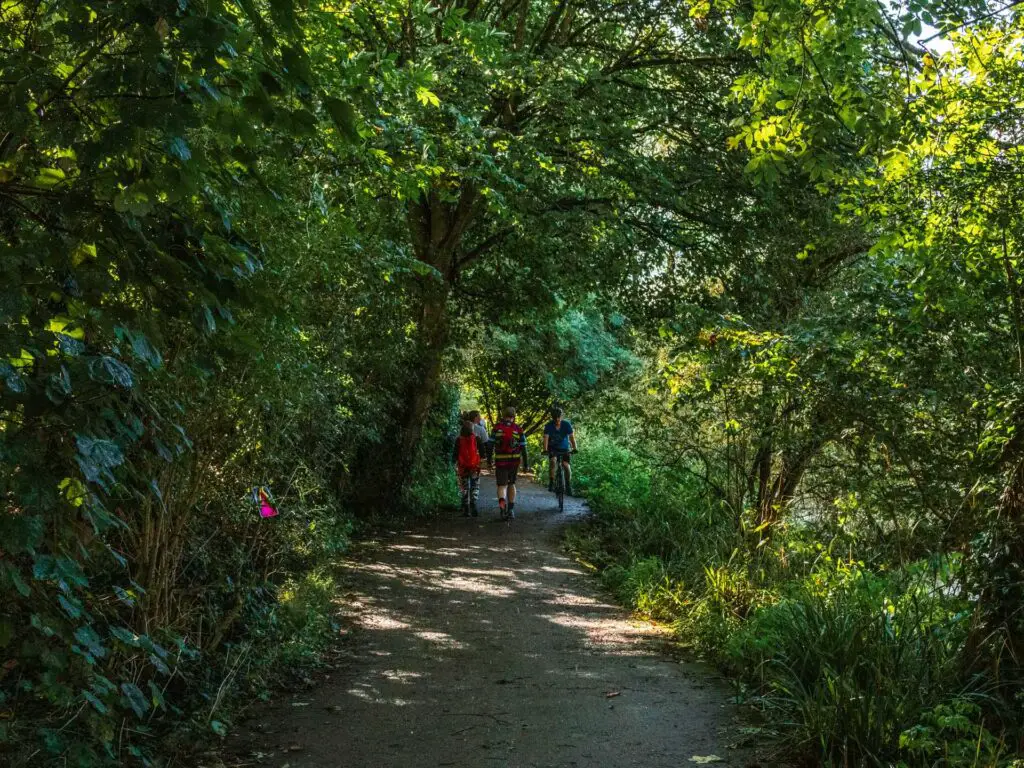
[[568, 476], [512, 491], [501, 480], [551, 472], [474, 492], [464, 491]]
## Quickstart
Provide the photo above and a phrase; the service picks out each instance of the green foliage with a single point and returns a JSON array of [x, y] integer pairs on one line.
[[543, 359], [862, 666], [767, 253], [859, 660]]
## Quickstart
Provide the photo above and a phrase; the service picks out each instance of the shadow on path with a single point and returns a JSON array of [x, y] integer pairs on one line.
[[477, 643]]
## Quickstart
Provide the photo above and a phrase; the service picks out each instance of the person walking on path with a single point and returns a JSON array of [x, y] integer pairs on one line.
[[467, 464], [559, 444], [480, 430], [509, 448]]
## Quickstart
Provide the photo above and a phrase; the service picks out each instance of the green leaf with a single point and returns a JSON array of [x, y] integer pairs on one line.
[[91, 642], [156, 695], [12, 378], [71, 607], [426, 97], [49, 177], [98, 705], [219, 728], [96, 458], [112, 370], [135, 698], [179, 149], [125, 635], [344, 116]]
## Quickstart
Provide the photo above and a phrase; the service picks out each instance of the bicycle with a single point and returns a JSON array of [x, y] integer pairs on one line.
[[560, 477]]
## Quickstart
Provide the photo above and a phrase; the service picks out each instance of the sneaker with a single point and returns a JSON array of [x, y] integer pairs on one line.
[[502, 508], [511, 511]]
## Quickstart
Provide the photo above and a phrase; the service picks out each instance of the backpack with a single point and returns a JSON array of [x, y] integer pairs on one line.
[[509, 439], [469, 456]]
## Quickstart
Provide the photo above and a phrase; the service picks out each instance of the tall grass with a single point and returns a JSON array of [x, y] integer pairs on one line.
[[858, 667]]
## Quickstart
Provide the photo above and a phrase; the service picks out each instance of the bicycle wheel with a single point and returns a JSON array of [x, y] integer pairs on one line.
[[560, 485]]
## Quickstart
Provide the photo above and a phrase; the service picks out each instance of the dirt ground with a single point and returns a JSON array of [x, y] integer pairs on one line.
[[472, 642]]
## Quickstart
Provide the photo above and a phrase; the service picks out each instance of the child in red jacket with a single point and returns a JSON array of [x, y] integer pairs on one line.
[[467, 464]]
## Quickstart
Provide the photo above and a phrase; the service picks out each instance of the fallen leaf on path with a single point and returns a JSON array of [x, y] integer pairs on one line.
[[300, 703], [612, 694], [705, 759]]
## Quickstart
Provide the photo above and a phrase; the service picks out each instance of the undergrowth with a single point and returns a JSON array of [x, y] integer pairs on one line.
[[858, 664]]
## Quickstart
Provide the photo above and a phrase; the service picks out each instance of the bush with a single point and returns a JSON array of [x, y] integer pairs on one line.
[[856, 660], [863, 667]]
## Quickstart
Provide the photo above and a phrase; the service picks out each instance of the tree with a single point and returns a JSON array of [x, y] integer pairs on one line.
[[525, 140], [540, 361]]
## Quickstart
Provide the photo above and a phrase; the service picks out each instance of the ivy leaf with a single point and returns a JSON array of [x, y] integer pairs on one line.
[[69, 346], [144, 350], [158, 663], [98, 705], [71, 606], [96, 458], [92, 643], [119, 373], [12, 378], [179, 149], [135, 698], [162, 450], [283, 14], [296, 65], [125, 635], [49, 177], [58, 386]]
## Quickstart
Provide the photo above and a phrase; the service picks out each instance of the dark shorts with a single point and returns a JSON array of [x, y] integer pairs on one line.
[[506, 475], [566, 456]]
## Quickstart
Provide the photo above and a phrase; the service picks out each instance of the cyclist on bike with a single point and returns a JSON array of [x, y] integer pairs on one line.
[[559, 442], [509, 447]]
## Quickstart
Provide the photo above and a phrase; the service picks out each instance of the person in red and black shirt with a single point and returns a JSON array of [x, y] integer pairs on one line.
[[509, 448], [467, 465]]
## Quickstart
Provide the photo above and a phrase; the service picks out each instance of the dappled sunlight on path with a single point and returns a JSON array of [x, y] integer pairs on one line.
[[477, 643]]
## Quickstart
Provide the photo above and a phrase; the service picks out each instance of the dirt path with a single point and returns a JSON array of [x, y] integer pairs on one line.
[[476, 643]]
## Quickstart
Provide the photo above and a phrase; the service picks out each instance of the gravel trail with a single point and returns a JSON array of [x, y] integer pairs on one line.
[[472, 643]]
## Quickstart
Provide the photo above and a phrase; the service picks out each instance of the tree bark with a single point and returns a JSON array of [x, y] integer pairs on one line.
[[436, 229], [432, 339]]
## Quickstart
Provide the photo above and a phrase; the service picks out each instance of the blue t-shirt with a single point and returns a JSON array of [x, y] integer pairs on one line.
[[558, 437]]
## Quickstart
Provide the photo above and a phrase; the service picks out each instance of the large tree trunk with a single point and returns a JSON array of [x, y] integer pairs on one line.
[[432, 340], [436, 229]]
